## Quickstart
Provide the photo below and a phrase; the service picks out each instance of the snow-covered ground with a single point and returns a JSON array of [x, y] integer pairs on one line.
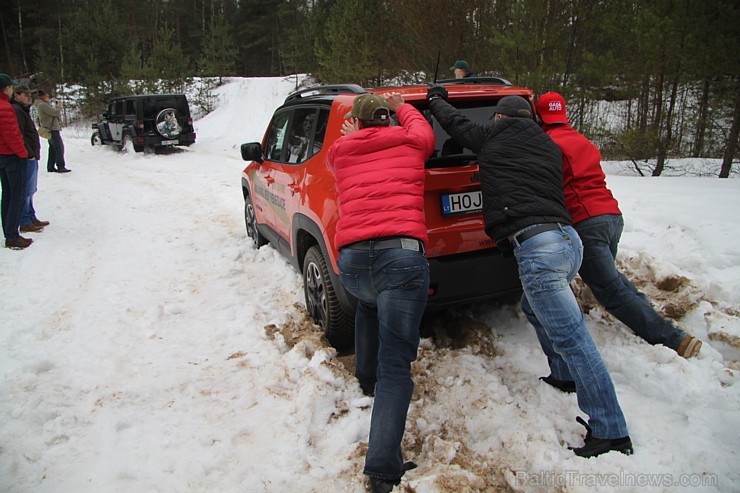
[[146, 346]]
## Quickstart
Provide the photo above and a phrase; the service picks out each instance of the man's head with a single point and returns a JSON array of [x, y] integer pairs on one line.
[[22, 93], [461, 69], [42, 95], [551, 108], [512, 106], [372, 111], [6, 84]]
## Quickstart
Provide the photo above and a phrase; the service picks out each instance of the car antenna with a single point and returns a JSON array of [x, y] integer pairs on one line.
[[436, 67]]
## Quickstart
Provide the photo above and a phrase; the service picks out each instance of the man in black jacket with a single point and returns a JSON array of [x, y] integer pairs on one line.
[[21, 104], [524, 211]]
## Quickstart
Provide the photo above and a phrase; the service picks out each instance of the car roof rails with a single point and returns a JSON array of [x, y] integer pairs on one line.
[[330, 89], [476, 80]]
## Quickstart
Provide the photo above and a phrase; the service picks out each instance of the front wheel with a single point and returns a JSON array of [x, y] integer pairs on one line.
[[322, 302], [96, 139]]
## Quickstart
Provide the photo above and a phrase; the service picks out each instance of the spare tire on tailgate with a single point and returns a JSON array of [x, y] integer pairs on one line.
[[167, 123]]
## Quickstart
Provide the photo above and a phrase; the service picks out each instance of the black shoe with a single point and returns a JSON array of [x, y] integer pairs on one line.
[[64, 170], [378, 485], [567, 386], [51, 171], [596, 446], [368, 390]]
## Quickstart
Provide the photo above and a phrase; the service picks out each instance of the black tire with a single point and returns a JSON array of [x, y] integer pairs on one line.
[[322, 302], [250, 220], [96, 139], [167, 123]]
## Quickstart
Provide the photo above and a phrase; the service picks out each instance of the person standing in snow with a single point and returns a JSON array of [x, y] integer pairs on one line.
[[13, 156], [50, 118], [524, 212], [599, 222], [381, 235], [21, 104], [461, 69]]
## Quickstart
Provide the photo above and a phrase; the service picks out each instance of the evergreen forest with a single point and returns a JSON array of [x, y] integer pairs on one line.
[[670, 66]]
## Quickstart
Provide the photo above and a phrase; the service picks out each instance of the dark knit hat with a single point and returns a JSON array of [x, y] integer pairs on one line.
[[6, 80], [515, 106]]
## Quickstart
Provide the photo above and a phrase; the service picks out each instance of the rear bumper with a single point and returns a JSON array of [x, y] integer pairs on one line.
[[472, 277], [157, 140]]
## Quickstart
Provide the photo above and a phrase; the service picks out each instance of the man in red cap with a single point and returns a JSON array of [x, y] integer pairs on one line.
[[599, 223]]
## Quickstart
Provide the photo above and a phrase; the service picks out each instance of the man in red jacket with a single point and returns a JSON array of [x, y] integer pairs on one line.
[[599, 223], [381, 235], [13, 156]]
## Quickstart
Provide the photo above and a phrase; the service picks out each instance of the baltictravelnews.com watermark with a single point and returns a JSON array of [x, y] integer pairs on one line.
[[621, 478]]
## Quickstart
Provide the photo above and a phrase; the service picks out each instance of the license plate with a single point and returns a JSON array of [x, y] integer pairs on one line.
[[462, 203], [169, 142]]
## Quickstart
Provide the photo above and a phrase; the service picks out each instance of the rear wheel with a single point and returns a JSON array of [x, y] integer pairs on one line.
[[322, 302], [250, 219]]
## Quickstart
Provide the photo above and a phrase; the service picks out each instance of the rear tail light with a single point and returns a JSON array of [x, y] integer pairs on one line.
[[140, 140], [140, 124]]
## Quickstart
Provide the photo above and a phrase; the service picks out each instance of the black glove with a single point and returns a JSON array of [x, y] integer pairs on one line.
[[436, 91]]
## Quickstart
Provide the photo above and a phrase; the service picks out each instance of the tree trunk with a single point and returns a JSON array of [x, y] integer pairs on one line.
[[732, 140], [701, 124]]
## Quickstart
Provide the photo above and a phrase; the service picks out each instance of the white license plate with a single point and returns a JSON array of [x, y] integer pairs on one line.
[[462, 203], [169, 142]]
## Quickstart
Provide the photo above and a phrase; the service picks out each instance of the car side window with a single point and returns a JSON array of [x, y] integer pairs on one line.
[[274, 145], [130, 108], [111, 110], [299, 134], [318, 138], [119, 108]]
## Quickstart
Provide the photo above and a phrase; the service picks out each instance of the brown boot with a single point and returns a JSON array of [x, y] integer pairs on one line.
[[40, 223], [18, 244], [31, 228], [689, 347]]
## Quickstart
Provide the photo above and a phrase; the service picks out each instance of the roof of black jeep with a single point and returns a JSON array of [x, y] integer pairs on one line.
[[144, 96]]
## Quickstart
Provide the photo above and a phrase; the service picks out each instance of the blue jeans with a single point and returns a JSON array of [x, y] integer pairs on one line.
[[600, 236], [56, 152], [32, 176], [547, 263], [12, 177], [392, 287]]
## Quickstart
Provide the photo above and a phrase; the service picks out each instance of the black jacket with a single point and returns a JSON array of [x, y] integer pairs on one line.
[[28, 129], [520, 168]]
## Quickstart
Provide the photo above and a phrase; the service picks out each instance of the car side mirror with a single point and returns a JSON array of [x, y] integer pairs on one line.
[[105, 114], [252, 152]]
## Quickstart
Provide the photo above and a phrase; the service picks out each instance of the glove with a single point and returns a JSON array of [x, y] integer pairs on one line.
[[436, 91]]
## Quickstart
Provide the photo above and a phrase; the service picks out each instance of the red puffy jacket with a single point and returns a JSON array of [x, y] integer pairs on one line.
[[584, 182], [11, 140], [380, 179]]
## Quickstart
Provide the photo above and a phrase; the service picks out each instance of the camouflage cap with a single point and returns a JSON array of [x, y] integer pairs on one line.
[[370, 107]]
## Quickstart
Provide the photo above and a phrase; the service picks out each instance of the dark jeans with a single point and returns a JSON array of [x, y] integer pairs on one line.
[[12, 176], [392, 288], [56, 152], [600, 236]]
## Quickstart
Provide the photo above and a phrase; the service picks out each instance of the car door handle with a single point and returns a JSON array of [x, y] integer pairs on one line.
[[294, 188]]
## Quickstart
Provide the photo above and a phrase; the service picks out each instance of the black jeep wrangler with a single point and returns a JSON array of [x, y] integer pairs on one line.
[[145, 123]]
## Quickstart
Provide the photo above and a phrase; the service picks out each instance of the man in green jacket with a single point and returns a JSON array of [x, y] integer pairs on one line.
[[50, 119]]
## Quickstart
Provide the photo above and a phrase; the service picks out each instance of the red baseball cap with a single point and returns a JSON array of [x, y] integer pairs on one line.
[[551, 108]]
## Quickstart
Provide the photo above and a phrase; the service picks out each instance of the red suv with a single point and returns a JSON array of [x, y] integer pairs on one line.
[[290, 200]]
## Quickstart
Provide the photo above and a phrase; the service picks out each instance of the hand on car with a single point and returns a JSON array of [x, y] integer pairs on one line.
[[349, 126], [436, 91], [394, 100]]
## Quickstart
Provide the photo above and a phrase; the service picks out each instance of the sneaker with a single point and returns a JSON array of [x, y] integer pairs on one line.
[[40, 223], [596, 446], [689, 347], [31, 228], [19, 243], [567, 386], [64, 170]]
